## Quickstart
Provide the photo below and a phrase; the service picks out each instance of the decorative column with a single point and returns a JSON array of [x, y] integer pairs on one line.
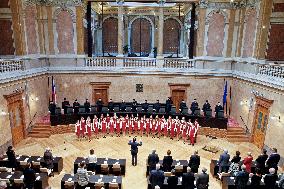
[[120, 29], [80, 29], [50, 29], [231, 32], [241, 31], [201, 28], [160, 31]]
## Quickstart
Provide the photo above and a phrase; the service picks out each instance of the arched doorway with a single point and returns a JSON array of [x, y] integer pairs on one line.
[[109, 38], [140, 40], [171, 37]]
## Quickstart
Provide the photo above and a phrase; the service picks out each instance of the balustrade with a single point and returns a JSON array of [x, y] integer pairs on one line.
[[11, 65]]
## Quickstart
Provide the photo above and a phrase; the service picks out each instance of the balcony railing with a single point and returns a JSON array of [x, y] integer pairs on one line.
[[138, 62], [178, 63], [101, 62], [272, 70], [11, 65]]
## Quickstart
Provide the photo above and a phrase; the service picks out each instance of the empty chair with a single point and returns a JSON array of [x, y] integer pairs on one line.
[[23, 164], [150, 109], [139, 109], [93, 109], [116, 169], [173, 110], [70, 110], [185, 111], [220, 114], [196, 112], [3, 169], [82, 110], [116, 109], [167, 174], [69, 184], [105, 110], [36, 165], [128, 109], [113, 185], [57, 111], [99, 185], [178, 170], [162, 110], [105, 169], [19, 181], [208, 113]]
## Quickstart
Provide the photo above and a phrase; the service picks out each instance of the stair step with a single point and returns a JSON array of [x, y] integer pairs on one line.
[[236, 133], [236, 136], [238, 140], [41, 128], [235, 129]]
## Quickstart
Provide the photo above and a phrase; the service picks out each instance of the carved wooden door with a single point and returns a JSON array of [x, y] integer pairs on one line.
[[177, 97], [100, 93], [260, 126]]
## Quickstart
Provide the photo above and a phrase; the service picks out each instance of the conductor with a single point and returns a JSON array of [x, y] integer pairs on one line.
[[134, 150]]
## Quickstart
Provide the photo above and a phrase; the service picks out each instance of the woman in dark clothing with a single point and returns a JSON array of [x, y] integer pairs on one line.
[[11, 158], [167, 162], [234, 167], [255, 179]]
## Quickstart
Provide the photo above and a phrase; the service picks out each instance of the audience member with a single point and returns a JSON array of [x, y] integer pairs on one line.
[[248, 161], [153, 159], [242, 178], [99, 104], [194, 162], [48, 161], [122, 106], [11, 158], [182, 106], [273, 160], [188, 179], [167, 162], [29, 176], [255, 179], [235, 164], [202, 181], [157, 177], [82, 176], [224, 162], [260, 161], [110, 105], [194, 106], [92, 158], [134, 150], [172, 180], [157, 106], [270, 179], [87, 106]]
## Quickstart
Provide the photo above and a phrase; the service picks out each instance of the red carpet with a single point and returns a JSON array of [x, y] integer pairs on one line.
[[233, 123]]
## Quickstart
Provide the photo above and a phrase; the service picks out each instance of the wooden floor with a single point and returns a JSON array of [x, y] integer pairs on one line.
[[68, 147]]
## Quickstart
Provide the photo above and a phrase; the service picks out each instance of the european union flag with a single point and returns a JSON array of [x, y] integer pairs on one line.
[[225, 94]]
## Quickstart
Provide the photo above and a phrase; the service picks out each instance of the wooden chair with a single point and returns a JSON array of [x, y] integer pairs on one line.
[[69, 185], [179, 170], [167, 174], [116, 169], [3, 169], [18, 183], [43, 170], [36, 165], [113, 185], [105, 169], [23, 164], [99, 185]]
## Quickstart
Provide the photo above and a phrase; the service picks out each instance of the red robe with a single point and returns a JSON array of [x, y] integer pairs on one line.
[[77, 128], [104, 125], [118, 126], [247, 162], [148, 124], [88, 128], [191, 134], [82, 128], [123, 125], [165, 125], [173, 130], [96, 126], [136, 125], [111, 126]]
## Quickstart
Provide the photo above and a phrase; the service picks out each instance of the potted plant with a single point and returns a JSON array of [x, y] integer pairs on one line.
[[155, 52]]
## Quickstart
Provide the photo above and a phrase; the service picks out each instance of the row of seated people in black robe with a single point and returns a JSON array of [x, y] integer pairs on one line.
[[145, 106]]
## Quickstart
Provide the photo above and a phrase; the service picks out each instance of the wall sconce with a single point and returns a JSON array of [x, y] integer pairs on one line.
[[276, 118]]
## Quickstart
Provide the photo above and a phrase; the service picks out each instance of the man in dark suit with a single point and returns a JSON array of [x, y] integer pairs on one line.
[[110, 105], [157, 106], [182, 106], [48, 160], [87, 106], [206, 106], [260, 161], [273, 160], [65, 105], [99, 104], [122, 106], [157, 177], [145, 106], [194, 162], [153, 159], [188, 179], [224, 162], [218, 108], [172, 180], [169, 103], [202, 181], [134, 150], [76, 106], [52, 108], [12, 161], [270, 179], [134, 106], [29, 176], [242, 178], [194, 106], [167, 162]]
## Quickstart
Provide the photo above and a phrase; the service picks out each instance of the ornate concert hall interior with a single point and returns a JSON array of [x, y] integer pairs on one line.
[[198, 77]]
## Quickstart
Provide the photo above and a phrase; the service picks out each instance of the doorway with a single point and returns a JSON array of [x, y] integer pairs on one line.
[[100, 90], [261, 117], [16, 116], [177, 97]]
